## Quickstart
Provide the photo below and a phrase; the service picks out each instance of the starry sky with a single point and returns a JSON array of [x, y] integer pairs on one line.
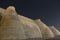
[[47, 10]]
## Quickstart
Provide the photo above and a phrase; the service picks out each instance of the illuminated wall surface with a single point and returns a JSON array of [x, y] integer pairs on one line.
[[14, 27]]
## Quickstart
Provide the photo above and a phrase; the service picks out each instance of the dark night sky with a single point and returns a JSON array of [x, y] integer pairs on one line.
[[47, 10]]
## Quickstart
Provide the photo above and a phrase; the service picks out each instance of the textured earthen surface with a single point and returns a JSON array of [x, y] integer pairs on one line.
[[18, 27]]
